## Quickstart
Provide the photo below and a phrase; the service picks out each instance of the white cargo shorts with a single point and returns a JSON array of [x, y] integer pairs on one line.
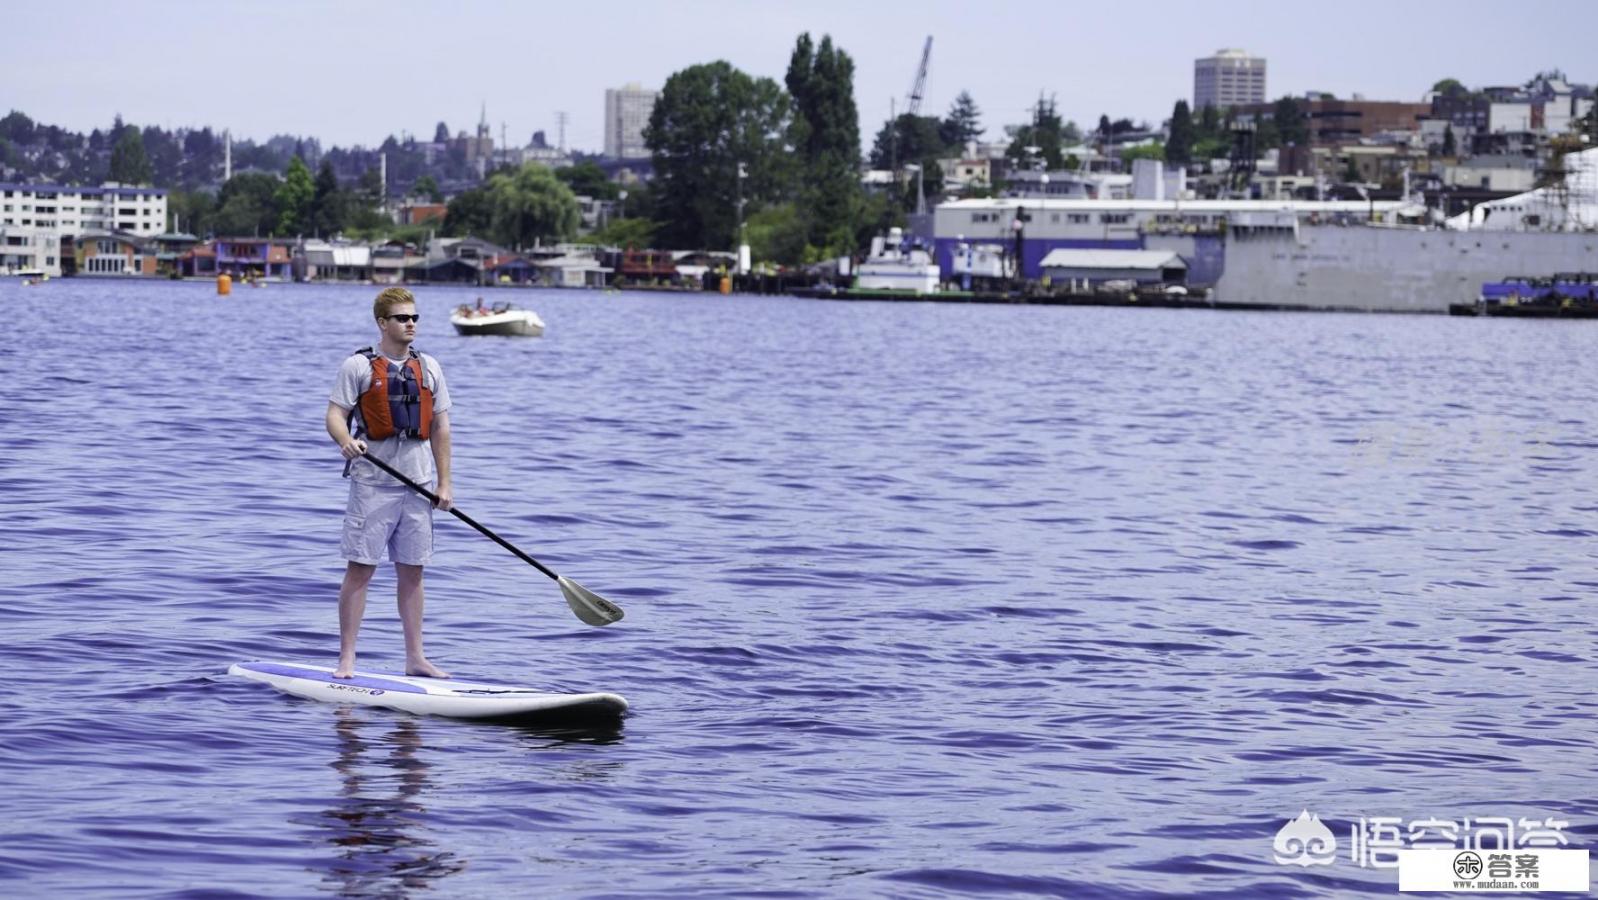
[[392, 517]]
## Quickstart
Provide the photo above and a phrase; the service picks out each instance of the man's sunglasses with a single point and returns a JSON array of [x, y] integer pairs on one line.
[[404, 318]]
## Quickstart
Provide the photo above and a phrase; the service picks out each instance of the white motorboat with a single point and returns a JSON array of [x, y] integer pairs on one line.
[[502, 319], [895, 266]]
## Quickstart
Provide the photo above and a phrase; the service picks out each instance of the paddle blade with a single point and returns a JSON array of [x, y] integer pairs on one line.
[[589, 606]]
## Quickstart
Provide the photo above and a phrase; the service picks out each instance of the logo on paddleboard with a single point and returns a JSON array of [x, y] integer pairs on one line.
[[370, 692], [1304, 841]]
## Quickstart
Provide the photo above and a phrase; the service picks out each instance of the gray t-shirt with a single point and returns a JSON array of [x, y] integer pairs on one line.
[[410, 456]]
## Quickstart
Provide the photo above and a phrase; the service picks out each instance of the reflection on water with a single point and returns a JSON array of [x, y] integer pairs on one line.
[[378, 826], [550, 736], [544, 738]]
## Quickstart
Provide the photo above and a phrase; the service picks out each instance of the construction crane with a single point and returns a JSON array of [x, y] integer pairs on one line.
[[912, 109], [921, 79]]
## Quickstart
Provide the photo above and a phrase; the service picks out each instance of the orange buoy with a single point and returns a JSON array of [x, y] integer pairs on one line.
[[224, 284]]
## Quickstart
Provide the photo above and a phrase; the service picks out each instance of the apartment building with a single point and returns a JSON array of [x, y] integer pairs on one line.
[[70, 211], [29, 250], [627, 112], [35, 218], [1229, 78]]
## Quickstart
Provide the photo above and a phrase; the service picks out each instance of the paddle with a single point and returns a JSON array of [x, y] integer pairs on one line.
[[589, 606]]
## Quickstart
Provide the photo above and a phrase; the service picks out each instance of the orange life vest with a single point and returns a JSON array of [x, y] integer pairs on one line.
[[398, 402]]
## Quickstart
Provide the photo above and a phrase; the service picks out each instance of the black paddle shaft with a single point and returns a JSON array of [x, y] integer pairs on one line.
[[463, 517]]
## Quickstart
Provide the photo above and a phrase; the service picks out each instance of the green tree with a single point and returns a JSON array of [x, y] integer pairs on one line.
[[165, 153], [826, 136], [587, 179], [640, 202], [1291, 123], [129, 164], [295, 196], [1266, 134], [427, 188], [1210, 138], [907, 139], [531, 204], [470, 212], [441, 133], [1039, 143], [1143, 151], [363, 207], [1451, 87], [964, 122], [778, 234], [17, 128], [1450, 143], [369, 190], [629, 234], [709, 121], [1179, 146], [329, 204], [247, 205], [191, 211]]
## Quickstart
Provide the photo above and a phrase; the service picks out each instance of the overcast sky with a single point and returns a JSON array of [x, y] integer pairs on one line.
[[354, 71]]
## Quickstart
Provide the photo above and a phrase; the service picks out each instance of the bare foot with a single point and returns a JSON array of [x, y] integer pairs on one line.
[[424, 668], [346, 667]]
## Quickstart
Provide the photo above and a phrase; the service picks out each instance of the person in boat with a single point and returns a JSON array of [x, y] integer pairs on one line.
[[390, 401], [481, 310]]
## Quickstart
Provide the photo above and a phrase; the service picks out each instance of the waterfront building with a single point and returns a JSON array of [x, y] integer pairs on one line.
[[113, 253], [1089, 267], [627, 112], [71, 211], [169, 250], [1229, 78], [240, 257], [28, 249], [1365, 254], [318, 260]]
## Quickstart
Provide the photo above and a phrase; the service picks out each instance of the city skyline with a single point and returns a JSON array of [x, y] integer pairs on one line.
[[396, 68]]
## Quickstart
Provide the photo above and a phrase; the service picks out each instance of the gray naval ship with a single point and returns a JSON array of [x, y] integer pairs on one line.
[[1387, 256]]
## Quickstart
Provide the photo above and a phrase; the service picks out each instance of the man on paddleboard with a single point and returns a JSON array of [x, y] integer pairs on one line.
[[390, 401]]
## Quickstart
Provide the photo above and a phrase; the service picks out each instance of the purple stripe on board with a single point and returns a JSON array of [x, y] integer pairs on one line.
[[365, 681]]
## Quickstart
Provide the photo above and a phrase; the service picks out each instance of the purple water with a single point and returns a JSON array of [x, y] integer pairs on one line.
[[922, 600]]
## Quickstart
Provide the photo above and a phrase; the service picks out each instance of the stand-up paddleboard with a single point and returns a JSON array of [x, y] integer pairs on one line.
[[428, 696]]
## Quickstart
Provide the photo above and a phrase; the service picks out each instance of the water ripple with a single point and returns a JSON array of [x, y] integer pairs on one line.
[[922, 600]]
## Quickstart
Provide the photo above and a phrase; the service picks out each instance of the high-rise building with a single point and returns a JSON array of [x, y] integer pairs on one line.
[[627, 112], [1229, 78]]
